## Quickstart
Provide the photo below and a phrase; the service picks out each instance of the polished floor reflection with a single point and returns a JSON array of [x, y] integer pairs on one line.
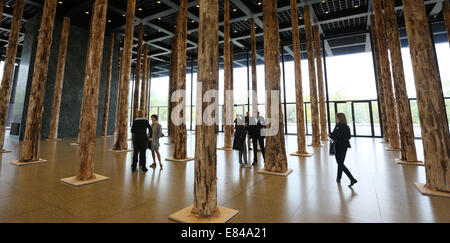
[[385, 192]]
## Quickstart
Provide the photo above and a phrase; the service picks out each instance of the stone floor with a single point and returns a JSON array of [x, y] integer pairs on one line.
[[385, 192]]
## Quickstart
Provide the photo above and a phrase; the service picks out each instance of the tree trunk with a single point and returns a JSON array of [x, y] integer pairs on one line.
[[381, 96], [301, 137], [90, 92], [228, 106], [312, 78], [8, 68], [254, 78], [122, 131], [30, 149], [408, 148], [205, 183], [275, 154], [116, 128], [137, 79], [147, 87], [54, 121], [144, 78], [180, 76], [391, 114], [323, 117], [446, 11], [172, 78], [108, 86], [430, 100]]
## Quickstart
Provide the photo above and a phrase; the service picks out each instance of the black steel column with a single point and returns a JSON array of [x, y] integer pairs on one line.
[[376, 84]]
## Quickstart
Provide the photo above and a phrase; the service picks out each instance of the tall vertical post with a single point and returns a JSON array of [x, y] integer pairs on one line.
[[137, 79], [30, 148], [430, 99], [1, 9], [147, 85], [172, 72], [8, 68], [312, 78], [254, 75], [228, 106], [205, 183], [446, 11], [275, 154], [54, 121], [180, 135], [300, 113], [408, 148], [379, 78], [108, 85], [144, 79], [122, 131], [391, 114], [320, 86]]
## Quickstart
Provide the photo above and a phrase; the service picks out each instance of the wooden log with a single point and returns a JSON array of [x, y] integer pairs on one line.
[[320, 86], [108, 85], [301, 136], [118, 95], [8, 68], [137, 79], [1, 11], [408, 148], [30, 148], [430, 100], [254, 75], [391, 114], [90, 92], [147, 87], [144, 77], [122, 131], [205, 178], [54, 120], [228, 106], [172, 72], [446, 12], [180, 146], [312, 78], [275, 154], [379, 78]]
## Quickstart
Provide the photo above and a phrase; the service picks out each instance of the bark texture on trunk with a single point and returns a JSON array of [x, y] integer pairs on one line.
[[391, 114], [379, 77], [312, 77], [180, 147], [54, 120], [408, 148], [254, 76], [144, 78], [8, 68], [430, 100], [30, 148], [205, 183], [320, 86], [137, 79], [228, 106], [301, 137], [147, 87], [172, 84], [89, 107], [446, 11], [122, 131], [275, 154], [108, 85]]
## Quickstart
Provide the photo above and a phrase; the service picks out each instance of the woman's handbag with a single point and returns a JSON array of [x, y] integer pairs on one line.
[[332, 147]]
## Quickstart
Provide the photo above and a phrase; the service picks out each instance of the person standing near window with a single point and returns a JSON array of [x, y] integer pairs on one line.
[[341, 136], [155, 135], [256, 124], [139, 137]]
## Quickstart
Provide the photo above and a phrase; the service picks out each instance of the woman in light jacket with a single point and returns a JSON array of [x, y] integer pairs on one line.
[[341, 136], [155, 135]]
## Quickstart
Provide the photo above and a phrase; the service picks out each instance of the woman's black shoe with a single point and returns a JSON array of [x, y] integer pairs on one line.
[[338, 180], [133, 169], [144, 169], [352, 183]]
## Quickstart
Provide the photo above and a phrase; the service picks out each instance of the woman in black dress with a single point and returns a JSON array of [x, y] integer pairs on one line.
[[341, 136]]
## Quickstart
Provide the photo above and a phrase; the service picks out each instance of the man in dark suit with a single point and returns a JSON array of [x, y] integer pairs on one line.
[[140, 141], [256, 124]]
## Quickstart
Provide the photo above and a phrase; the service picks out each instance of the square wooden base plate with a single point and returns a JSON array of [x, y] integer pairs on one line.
[[402, 162], [225, 149], [185, 216], [74, 144], [426, 191], [392, 149], [74, 182], [120, 151], [5, 151], [316, 146], [301, 155], [19, 163], [263, 171], [179, 160]]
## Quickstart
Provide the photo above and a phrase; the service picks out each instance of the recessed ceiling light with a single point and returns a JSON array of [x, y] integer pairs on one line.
[[193, 21], [234, 10], [326, 12], [87, 12], [198, 6], [7, 6], [356, 6], [259, 3], [109, 21], [140, 9], [159, 18], [158, 2], [60, 2]]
